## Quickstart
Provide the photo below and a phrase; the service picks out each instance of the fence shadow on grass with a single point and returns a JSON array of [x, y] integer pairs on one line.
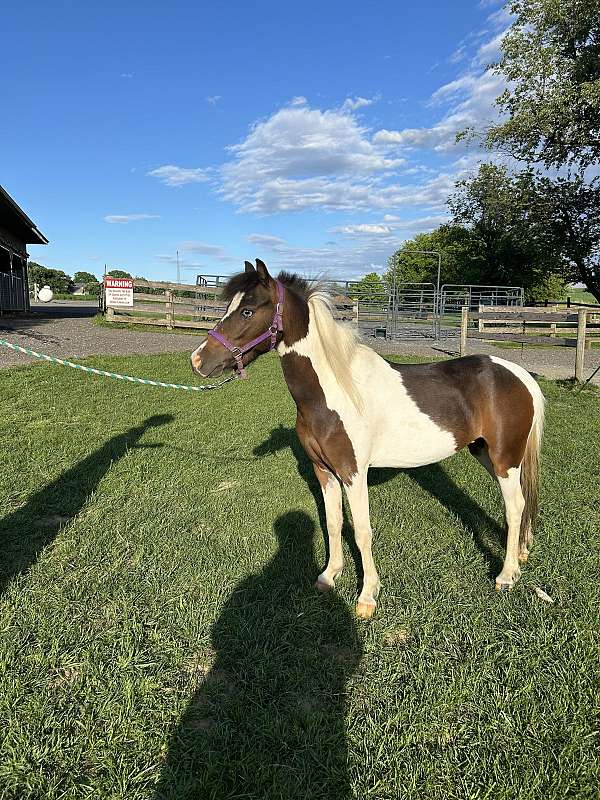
[[26, 532], [488, 535], [268, 720]]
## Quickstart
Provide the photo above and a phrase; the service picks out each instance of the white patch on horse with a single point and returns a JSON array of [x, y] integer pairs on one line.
[[390, 430], [233, 306]]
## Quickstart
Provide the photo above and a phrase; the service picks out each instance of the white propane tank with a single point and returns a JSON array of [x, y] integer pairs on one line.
[[45, 294]]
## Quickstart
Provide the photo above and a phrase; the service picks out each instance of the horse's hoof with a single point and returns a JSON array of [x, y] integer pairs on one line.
[[501, 586], [365, 610], [323, 587]]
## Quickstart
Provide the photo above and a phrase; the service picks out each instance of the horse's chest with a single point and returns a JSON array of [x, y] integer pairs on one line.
[[392, 431]]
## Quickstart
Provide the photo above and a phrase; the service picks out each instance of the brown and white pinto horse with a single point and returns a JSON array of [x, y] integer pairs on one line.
[[356, 410]]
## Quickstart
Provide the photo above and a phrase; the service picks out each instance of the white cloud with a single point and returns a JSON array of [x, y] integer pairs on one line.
[[266, 241], [470, 97], [123, 219], [353, 103], [171, 175], [298, 101], [127, 74], [213, 99], [215, 251], [302, 158], [371, 228]]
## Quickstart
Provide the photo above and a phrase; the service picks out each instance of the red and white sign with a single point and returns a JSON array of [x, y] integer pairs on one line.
[[118, 291]]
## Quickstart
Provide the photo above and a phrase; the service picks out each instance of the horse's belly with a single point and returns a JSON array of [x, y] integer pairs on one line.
[[412, 444]]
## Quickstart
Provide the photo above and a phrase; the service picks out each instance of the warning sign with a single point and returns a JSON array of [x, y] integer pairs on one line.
[[118, 291]]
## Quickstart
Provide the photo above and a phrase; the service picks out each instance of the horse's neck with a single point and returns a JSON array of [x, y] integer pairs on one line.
[[298, 351]]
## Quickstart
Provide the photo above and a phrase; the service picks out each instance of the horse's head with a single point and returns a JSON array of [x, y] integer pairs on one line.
[[252, 298]]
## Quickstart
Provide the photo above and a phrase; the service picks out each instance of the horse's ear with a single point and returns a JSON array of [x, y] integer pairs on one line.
[[249, 267], [263, 272]]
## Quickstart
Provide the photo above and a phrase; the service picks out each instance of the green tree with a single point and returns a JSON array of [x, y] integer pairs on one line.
[[571, 207], [118, 273], [510, 233], [551, 64], [56, 279], [551, 119], [370, 287], [84, 277]]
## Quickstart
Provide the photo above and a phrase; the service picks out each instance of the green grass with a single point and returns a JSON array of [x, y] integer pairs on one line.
[[581, 296], [160, 636], [102, 322], [76, 298]]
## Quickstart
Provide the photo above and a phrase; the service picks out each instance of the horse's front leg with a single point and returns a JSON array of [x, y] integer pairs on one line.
[[358, 497], [332, 496]]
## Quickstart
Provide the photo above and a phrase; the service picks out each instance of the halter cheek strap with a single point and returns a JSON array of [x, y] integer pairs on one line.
[[274, 328]]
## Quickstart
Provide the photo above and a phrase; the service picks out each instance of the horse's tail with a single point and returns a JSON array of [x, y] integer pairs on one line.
[[530, 468]]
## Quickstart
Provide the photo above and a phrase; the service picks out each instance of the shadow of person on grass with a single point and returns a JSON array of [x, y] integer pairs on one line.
[[433, 478], [268, 720], [27, 531]]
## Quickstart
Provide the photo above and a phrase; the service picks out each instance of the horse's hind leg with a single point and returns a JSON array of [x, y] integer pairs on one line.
[[332, 496], [515, 504], [358, 497]]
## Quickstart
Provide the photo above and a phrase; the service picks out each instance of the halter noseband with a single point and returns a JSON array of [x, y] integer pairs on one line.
[[274, 328]]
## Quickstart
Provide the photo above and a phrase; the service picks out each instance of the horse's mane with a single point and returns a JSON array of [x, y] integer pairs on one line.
[[338, 343]]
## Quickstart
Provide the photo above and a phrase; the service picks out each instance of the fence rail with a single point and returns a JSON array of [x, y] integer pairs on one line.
[[588, 322]]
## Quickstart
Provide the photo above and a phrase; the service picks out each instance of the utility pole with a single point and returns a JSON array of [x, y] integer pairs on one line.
[[178, 272]]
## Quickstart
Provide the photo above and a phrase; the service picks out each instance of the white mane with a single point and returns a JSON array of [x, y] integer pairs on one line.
[[338, 342]]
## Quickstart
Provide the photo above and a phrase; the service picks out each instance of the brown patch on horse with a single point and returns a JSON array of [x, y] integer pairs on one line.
[[320, 430], [474, 399]]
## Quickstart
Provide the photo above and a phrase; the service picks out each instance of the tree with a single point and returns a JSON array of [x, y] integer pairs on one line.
[[56, 279], [369, 288], [84, 277], [571, 207], [551, 64], [118, 273], [511, 235]]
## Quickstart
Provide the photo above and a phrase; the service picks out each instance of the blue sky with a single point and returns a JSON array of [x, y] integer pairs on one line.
[[317, 136]]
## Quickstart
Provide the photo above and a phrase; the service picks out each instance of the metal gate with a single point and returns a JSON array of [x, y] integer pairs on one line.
[[416, 311]]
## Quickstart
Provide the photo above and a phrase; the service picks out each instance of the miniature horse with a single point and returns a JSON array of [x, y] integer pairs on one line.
[[356, 410]]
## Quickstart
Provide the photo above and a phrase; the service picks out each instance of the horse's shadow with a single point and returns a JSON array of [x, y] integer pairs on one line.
[[27, 531], [267, 719], [433, 478]]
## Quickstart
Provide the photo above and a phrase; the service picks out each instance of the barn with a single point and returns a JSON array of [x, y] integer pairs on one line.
[[16, 232]]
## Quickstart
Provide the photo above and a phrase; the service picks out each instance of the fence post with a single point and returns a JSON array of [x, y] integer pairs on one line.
[[355, 312], [480, 322], [110, 314], [580, 351], [169, 308], [464, 322]]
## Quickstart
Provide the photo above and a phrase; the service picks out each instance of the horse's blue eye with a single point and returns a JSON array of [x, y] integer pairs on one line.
[[247, 312]]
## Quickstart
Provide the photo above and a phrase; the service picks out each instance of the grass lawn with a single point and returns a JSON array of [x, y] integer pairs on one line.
[[160, 636]]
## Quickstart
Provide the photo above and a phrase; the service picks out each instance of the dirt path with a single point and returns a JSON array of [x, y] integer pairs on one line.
[[67, 330]]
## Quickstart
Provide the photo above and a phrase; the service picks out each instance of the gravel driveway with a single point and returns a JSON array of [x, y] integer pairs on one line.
[[66, 330]]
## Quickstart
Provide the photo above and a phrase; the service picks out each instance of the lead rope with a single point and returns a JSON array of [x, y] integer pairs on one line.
[[145, 381]]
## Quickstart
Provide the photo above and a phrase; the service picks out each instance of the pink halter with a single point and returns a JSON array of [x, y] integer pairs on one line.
[[274, 328]]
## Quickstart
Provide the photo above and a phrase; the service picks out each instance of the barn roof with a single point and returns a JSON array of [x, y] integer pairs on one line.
[[15, 220]]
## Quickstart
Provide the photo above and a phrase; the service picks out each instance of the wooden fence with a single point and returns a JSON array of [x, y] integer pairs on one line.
[[170, 307], [495, 325]]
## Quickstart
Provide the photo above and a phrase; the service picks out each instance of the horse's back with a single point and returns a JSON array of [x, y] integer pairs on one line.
[[427, 412]]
